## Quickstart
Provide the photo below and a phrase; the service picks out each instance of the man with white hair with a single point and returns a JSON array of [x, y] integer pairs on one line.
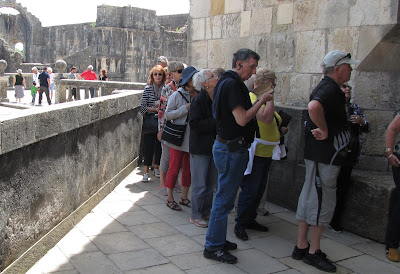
[[89, 74], [325, 141]]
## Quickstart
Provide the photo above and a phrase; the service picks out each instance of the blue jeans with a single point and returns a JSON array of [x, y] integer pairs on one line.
[[231, 167], [253, 187], [204, 180]]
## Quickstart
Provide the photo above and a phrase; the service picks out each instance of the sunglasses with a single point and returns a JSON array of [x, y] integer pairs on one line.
[[346, 86], [158, 74], [347, 56]]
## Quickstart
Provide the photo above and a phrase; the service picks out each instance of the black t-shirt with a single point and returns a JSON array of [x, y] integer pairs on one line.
[[43, 79], [234, 93], [333, 100]]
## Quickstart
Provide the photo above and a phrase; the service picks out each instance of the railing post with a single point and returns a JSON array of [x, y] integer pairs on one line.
[[61, 65]]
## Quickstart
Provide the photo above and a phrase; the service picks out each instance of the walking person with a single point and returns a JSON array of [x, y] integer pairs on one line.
[[51, 88], [44, 81], [19, 85], [326, 126], [234, 115]]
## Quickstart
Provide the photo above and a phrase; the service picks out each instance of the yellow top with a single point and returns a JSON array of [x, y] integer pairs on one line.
[[268, 132]]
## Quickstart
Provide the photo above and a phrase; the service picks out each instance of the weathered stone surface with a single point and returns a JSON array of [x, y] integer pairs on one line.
[[200, 8], [215, 57], [305, 15], [231, 26], [199, 53], [217, 7], [198, 29], [332, 14], [345, 39], [261, 21], [234, 6], [310, 50], [245, 24], [280, 52], [300, 89], [284, 14], [51, 164], [214, 27], [369, 12]]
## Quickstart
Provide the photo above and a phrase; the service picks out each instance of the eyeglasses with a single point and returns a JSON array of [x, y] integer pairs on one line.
[[158, 74], [347, 86], [347, 56]]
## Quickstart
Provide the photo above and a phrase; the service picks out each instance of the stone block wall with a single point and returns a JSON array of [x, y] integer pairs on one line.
[[292, 38], [173, 22], [54, 160]]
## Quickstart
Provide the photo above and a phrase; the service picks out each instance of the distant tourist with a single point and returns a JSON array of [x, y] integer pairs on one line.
[[19, 85], [89, 74], [44, 81], [34, 90], [35, 76], [73, 75], [103, 75], [162, 61], [52, 76]]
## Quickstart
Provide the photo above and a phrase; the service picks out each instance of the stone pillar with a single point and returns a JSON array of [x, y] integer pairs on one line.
[[3, 82], [61, 65]]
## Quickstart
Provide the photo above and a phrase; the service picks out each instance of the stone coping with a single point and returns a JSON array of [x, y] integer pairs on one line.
[[36, 124]]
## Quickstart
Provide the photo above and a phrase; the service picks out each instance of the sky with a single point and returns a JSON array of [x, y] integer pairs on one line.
[[53, 13]]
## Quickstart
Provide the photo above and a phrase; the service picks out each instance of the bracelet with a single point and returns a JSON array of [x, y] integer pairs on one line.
[[390, 156]]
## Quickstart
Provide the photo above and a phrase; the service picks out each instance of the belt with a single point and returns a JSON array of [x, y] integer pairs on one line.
[[238, 140], [222, 140]]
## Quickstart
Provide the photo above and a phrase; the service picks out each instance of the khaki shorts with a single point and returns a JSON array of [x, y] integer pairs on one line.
[[317, 199], [164, 160]]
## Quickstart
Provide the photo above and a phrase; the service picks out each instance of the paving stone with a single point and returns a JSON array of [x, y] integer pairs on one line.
[[290, 271], [127, 188], [288, 216], [138, 259], [216, 268], [159, 269], [273, 208], [241, 245], [374, 249], [254, 261], [190, 261], [273, 246], [153, 230], [336, 251], [346, 238], [191, 230], [174, 245], [175, 219], [118, 242], [76, 242], [116, 197], [94, 262], [148, 199], [305, 268], [284, 230], [368, 264], [118, 207], [160, 209], [54, 260], [96, 224], [136, 218]]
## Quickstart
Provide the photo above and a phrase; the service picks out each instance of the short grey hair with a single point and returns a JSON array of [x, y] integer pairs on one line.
[[199, 78], [174, 66], [162, 59], [326, 70]]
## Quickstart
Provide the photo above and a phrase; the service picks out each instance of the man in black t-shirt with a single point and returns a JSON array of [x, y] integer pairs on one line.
[[325, 139], [236, 127], [44, 81]]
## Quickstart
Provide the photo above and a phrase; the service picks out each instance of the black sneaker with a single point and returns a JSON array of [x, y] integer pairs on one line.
[[256, 226], [299, 253], [221, 255], [319, 260], [230, 246], [241, 233]]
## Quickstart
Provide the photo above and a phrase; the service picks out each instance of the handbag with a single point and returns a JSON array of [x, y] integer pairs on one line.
[[174, 133], [150, 123]]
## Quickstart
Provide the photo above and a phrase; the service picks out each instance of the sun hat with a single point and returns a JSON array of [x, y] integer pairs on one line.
[[187, 74], [262, 77], [338, 57], [90, 67]]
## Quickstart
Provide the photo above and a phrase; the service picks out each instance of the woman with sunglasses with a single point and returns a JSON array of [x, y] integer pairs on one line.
[[149, 109], [357, 125]]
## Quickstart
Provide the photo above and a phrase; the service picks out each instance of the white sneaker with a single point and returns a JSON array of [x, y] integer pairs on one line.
[[178, 188], [157, 173], [199, 222], [146, 178]]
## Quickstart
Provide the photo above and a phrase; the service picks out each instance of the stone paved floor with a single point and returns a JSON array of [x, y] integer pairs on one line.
[[132, 231]]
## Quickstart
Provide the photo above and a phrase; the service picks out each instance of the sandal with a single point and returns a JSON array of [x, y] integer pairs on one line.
[[173, 205], [185, 202]]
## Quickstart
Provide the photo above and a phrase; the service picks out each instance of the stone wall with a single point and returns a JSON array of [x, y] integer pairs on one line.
[[54, 160], [173, 22], [292, 37]]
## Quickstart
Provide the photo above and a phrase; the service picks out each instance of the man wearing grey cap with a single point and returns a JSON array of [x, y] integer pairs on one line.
[[326, 138]]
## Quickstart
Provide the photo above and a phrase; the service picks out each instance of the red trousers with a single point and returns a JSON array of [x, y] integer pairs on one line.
[[178, 159]]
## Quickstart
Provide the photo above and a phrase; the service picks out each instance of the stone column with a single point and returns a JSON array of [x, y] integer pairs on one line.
[[3, 82], [61, 65]]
